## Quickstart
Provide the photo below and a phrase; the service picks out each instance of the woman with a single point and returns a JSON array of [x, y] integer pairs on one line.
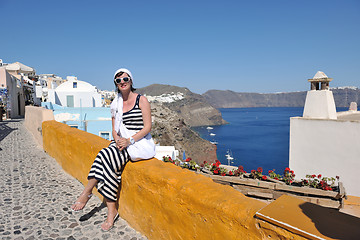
[[131, 124]]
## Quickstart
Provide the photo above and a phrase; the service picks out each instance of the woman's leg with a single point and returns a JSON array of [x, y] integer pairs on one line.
[[112, 215], [85, 195]]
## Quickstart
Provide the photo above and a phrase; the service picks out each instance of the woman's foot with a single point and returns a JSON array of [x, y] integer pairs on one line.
[[109, 222], [81, 202]]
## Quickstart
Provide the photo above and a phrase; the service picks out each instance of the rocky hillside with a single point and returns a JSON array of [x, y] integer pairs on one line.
[[229, 99], [170, 129], [192, 107]]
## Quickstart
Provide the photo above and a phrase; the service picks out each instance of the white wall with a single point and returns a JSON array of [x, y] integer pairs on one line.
[[327, 147], [86, 99], [320, 104], [83, 91], [15, 93]]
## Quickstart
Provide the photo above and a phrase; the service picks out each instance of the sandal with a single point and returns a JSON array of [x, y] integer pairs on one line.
[[82, 204], [106, 226]]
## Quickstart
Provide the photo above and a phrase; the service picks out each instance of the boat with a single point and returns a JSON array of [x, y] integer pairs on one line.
[[213, 142], [229, 157], [209, 128], [212, 134]]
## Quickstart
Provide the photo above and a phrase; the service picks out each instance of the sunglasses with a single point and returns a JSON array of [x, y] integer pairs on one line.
[[125, 79]]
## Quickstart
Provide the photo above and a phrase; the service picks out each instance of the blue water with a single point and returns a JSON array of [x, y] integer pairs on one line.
[[257, 137]]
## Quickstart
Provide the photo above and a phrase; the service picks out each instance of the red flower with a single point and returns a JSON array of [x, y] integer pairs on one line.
[[292, 171], [264, 177], [202, 165], [230, 173], [205, 162], [223, 174], [216, 171], [270, 171], [276, 178], [252, 171], [313, 176], [287, 169], [319, 176], [259, 169]]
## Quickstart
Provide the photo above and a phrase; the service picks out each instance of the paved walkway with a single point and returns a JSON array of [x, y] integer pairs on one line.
[[36, 195]]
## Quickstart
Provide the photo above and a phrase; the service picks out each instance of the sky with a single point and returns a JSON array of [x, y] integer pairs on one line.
[[263, 46]]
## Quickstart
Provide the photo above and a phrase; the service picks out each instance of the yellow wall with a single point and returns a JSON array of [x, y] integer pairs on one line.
[[161, 200]]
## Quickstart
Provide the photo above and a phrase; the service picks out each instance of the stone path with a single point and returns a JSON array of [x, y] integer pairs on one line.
[[36, 195]]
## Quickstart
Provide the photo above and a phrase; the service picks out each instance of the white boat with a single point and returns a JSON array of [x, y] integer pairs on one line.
[[215, 143], [212, 134], [229, 157], [209, 128]]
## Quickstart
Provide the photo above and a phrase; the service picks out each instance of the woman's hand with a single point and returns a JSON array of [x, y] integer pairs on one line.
[[122, 143]]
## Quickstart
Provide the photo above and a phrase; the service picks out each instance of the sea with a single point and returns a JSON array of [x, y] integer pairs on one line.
[[254, 137]]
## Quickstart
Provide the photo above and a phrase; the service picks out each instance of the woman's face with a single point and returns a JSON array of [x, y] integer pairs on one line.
[[123, 85]]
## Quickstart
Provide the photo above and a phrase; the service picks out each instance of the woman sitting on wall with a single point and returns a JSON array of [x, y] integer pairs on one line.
[[131, 124]]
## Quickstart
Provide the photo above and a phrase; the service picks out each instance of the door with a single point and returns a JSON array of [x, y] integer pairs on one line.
[[70, 101]]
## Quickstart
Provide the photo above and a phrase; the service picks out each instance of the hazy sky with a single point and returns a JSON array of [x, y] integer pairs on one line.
[[244, 46]]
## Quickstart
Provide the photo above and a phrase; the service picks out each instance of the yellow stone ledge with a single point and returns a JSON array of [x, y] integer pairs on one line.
[[161, 200]]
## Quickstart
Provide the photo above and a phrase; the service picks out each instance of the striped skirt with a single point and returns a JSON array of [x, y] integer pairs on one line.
[[107, 168]]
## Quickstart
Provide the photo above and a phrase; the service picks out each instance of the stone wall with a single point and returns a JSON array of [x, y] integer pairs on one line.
[[164, 201], [34, 117]]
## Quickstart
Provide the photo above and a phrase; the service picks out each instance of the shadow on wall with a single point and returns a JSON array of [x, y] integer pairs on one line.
[[332, 223]]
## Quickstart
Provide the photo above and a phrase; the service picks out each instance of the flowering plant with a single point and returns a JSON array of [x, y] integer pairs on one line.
[[192, 165], [289, 176], [239, 172], [257, 174], [168, 159], [273, 175], [317, 181], [215, 167], [205, 165]]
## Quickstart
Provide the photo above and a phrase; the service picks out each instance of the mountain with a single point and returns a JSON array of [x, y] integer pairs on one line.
[[175, 110], [169, 129], [230, 99], [192, 107]]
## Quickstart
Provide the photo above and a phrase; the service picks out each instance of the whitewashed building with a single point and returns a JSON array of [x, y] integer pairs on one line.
[[324, 141], [14, 87], [75, 93]]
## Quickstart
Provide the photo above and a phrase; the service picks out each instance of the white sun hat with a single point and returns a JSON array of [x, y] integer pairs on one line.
[[125, 71]]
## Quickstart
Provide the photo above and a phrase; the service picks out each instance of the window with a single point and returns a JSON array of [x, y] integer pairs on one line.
[[105, 135], [74, 84]]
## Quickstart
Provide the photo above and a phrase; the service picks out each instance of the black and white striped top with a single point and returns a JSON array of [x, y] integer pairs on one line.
[[133, 118]]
